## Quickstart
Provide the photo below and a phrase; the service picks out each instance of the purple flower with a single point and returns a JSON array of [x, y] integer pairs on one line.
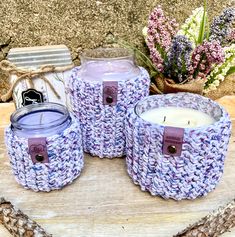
[[221, 25], [204, 57], [178, 62], [231, 38], [160, 32]]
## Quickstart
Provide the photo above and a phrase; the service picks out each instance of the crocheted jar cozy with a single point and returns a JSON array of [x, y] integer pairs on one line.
[[199, 167], [103, 125], [65, 156]]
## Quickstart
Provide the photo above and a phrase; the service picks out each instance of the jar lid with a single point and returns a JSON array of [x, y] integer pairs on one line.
[[35, 57]]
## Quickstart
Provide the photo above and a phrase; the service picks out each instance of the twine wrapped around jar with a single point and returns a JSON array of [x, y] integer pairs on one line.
[[24, 74]]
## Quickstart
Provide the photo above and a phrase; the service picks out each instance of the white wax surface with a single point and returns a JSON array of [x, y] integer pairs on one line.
[[177, 117], [109, 70]]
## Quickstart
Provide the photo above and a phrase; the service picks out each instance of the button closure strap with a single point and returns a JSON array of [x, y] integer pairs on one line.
[[173, 141], [110, 91], [38, 150]]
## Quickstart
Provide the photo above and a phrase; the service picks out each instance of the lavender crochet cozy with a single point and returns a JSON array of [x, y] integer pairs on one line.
[[65, 157], [103, 125], [197, 170]]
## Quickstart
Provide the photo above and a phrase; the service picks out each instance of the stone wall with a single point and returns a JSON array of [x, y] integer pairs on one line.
[[83, 24]]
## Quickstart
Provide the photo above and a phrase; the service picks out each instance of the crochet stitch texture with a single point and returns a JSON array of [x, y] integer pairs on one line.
[[103, 125], [65, 159]]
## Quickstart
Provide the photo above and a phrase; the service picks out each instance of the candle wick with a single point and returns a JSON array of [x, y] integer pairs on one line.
[[189, 122], [164, 119], [41, 118]]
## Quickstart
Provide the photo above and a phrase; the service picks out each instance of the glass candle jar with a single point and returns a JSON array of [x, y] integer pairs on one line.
[[36, 85], [101, 90], [41, 120], [45, 146], [171, 151], [110, 64]]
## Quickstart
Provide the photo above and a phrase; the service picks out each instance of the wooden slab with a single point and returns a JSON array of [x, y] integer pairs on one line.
[[104, 202]]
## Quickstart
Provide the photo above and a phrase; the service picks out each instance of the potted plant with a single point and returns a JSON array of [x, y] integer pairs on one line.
[[195, 57]]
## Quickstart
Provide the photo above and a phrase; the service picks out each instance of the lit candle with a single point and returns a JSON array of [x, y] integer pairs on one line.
[[177, 117]]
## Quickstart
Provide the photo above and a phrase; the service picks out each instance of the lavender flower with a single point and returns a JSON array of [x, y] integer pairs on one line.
[[221, 25], [220, 71], [204, 57], [231, 38], [178, 62], [159, 35]]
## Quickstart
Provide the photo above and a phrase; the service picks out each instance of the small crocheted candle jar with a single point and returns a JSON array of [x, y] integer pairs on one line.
[[44, 145], [176, 144], [101, 90]]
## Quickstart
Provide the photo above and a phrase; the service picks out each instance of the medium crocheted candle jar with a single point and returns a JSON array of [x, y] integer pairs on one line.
[[179, 162], [101, 90], [44, 145]]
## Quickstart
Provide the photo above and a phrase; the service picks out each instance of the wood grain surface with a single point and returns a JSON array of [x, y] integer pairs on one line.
[[103, 201]]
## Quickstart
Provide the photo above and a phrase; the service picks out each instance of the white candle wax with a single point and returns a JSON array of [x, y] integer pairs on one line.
[[177, 117]]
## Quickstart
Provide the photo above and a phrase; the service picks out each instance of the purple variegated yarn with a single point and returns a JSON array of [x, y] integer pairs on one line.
[[199, 167], [65, 156], [103, 125]]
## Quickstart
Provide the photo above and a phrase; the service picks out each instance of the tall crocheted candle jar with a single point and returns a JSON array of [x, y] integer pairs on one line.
[[101, 90], [176, 144], [44, 144]]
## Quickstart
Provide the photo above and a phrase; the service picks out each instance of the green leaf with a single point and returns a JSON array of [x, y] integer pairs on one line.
[[231, 71], [207, 28], [203, 25], [153, 74], [139, 54]]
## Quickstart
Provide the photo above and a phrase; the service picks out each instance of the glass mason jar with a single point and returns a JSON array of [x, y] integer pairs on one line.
[[40, 120], [32, 59], [109, 64]]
